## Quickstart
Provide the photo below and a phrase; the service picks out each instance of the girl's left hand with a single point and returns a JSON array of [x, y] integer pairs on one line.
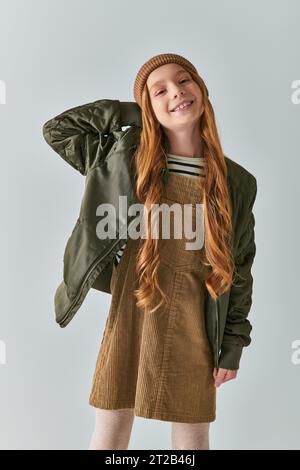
[[223, 375]]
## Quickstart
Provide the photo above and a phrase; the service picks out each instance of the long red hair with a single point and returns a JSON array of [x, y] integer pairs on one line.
[[149, 162]]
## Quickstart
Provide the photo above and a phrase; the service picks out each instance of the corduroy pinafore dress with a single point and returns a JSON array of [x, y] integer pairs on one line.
[[159, 364]]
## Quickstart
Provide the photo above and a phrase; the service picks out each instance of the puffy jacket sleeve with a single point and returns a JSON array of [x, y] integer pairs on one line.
[[82, 135], [237, 326]]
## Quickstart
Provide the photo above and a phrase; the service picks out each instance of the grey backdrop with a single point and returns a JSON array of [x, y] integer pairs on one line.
[[59, 54]]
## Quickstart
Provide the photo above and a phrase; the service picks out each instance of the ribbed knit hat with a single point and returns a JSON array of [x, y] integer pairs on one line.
[[153, 64]]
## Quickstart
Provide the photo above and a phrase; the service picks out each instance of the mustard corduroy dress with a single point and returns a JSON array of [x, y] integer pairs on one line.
[[160, 364]]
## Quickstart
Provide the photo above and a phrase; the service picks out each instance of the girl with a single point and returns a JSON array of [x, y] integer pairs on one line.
[[155, 359]]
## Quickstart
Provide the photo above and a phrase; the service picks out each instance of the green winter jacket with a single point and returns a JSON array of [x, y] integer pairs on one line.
[[92, 140]]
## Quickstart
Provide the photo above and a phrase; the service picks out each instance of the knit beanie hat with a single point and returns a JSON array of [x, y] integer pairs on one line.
[[153, 64]]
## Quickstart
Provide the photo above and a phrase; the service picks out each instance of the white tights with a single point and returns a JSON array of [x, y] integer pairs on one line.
[[113, 429]]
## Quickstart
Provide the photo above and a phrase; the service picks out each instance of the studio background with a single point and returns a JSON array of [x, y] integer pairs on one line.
[[60, 54]]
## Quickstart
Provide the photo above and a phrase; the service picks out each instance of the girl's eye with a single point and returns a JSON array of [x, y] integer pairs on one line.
[[181, 81]]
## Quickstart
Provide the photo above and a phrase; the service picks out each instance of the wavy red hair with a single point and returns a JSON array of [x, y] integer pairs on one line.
[[149, 161]]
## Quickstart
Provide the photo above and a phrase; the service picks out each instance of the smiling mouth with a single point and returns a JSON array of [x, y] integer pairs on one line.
[[183, 109]]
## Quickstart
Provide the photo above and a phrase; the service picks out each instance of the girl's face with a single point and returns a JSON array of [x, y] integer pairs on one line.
[[169, 85]]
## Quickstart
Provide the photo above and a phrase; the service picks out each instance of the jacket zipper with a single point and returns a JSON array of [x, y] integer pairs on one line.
[[217, 336], [73, 304]]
